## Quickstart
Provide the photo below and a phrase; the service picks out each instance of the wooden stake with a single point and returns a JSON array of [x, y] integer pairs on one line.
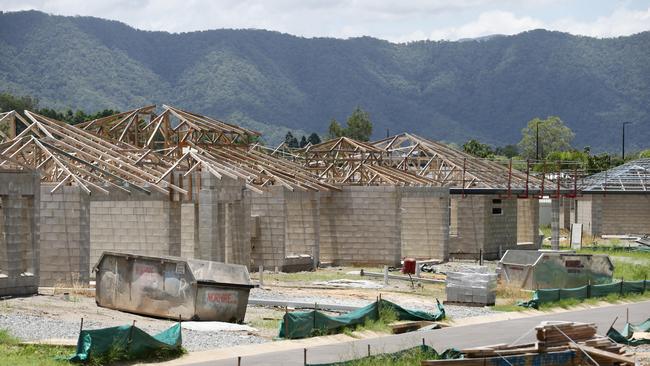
[[368, 350], [238, 360], [305, 356], [286, 322]]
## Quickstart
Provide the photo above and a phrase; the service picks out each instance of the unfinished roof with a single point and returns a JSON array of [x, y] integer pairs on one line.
[[630, 177], [68, 155], [12, 165], [345, 161], [8, 125], [200, 142], [450, 167], [141, 127], [257, 169]]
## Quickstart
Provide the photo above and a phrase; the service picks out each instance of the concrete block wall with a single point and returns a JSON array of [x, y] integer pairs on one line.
[[425, 222], [19, 233], [589, 213], [64, 236], [480, 228], [566, 208], [238, 226], [468, 213], [360, 225], [143, 224], [501, 228], [527, 220], [614, 213], [302, 232], [268, 243], [189, 229], [223, 220]]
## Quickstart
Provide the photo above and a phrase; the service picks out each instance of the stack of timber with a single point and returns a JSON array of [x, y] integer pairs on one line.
[[556, 333], [558, 343]]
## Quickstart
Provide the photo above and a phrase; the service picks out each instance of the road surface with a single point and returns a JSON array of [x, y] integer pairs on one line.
[[508, 331]]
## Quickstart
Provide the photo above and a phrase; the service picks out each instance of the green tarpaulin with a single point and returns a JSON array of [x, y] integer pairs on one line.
[[309, 323], [129, 340], [627, 335], [389, 358], [550, 295]]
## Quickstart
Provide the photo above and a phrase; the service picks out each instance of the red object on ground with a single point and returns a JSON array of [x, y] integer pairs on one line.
[[409, 266]]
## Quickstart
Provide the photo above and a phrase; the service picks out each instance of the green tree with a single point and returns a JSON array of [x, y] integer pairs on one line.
[[303, 141], [478, 149], [644, 154], [335, 130], [553, 136], [359, 125], [290, 140], [10, 102], [314, 138], [509, 151]]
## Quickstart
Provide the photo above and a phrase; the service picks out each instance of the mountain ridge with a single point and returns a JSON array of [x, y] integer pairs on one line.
[[446, 90]]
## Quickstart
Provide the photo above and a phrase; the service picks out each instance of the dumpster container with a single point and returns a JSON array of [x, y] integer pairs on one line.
[[172, 287], [531, 269]]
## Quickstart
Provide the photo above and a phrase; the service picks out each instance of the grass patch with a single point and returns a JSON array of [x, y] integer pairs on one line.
[[611, 298], [15, 353], [508, 307], [118, 356], [382, 325], [265, 323], [409, 357]]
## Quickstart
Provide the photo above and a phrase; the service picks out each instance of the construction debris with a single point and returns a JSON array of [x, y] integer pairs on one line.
[[558, 343]]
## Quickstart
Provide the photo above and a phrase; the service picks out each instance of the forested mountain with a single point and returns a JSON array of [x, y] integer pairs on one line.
[[486, 89]]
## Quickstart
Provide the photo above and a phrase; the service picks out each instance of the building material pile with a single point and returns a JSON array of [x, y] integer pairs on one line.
[[558, 343], [474, 286]]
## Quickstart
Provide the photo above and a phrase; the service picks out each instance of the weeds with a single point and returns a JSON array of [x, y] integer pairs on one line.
[[409, 357]]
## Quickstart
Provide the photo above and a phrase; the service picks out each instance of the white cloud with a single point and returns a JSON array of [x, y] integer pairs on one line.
[[621, 22], [399, 21], [491, 22]]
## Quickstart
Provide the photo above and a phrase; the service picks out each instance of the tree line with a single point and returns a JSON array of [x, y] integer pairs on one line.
[[10, 102]]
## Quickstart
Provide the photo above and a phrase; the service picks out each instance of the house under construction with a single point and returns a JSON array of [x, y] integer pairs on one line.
[[179, 183]]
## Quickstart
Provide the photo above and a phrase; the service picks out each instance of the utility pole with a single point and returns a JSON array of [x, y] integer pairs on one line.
[[623, 144], [537, 140]]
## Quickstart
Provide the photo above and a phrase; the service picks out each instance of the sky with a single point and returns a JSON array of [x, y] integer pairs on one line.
[[393, 20]]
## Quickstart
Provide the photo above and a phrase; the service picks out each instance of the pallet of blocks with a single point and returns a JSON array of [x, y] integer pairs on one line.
[[558, 343]]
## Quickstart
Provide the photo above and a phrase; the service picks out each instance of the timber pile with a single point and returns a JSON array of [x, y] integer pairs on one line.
[[558, 343], [556, 333]]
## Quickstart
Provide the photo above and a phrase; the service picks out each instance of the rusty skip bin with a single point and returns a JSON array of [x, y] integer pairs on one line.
[[172, 287]]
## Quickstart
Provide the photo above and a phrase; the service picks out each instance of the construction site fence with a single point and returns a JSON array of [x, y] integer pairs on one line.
[[585, 292], [303, 324]]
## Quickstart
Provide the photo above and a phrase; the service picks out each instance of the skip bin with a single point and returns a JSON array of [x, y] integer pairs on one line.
[[172, 287], [533, 270]]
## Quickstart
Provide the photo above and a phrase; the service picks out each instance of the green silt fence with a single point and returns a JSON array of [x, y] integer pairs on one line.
[[626, 336], [310, 323], [585, 292], [129, 341]]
